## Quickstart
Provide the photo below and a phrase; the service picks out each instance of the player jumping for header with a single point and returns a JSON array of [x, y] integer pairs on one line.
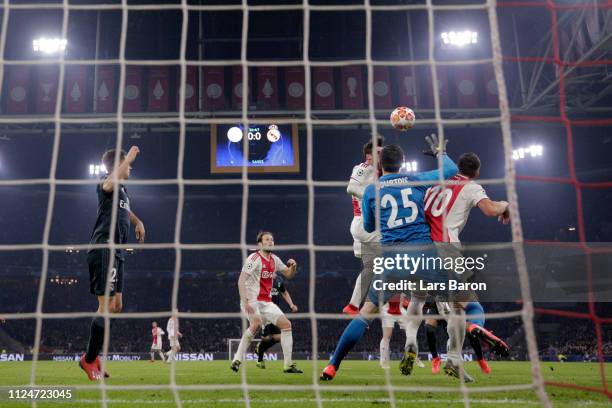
[[254, 286], [100, 275], [447, 210], [402, 220], [363, 175]]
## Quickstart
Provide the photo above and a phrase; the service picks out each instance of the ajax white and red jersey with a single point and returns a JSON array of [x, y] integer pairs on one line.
[[457, 201], [260, 275], [364, 174], [157, 333]]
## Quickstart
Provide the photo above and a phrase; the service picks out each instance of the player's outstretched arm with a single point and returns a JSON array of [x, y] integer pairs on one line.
[[108, 185], [492, 208], [138, 227]]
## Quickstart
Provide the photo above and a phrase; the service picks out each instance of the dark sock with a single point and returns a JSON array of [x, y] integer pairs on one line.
[[431, 341], [264, 346], [475, 343], [96, 339]]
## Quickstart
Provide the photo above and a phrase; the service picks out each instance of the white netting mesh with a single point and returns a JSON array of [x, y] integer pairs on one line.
[[120, 120]]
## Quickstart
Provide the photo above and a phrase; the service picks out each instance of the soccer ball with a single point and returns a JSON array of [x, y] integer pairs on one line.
[[402, 118]]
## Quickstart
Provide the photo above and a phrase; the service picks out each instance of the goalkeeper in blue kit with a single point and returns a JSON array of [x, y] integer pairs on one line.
[[402, 221]]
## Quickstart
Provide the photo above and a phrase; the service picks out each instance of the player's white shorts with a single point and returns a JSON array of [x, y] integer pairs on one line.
[[156, 347], [269, 312], [174, 343], [389, 320], [360, 235]]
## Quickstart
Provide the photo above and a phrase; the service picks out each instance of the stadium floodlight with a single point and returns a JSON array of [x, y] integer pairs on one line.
[[531, 151], [49, 45], [409, 166], [459, 38], [96, 169]]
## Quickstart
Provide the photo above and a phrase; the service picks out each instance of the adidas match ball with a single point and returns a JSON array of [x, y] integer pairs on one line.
[[402, 118]]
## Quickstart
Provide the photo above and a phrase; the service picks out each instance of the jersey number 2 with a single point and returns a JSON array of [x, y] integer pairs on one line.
[[393, 221]]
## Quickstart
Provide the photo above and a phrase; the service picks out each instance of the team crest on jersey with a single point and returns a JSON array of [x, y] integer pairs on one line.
[[124, 204]]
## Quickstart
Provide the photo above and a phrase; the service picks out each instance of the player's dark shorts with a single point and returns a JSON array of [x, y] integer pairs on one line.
[[431, 309], [98, 260], [270, 330]]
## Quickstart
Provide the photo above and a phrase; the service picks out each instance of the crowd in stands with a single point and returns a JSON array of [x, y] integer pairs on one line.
[[199, 291]]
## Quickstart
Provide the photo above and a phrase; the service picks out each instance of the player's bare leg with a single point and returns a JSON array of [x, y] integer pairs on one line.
[[245, 341], [456, 336], [172, 353], [287, 345], [415, 315], [353, 307], [384, 347]]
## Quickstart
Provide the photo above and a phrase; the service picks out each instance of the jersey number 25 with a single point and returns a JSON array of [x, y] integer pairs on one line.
[[393, 221]]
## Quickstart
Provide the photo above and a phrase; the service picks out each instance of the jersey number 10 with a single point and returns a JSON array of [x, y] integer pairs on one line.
[[393, 221], [438, 200]]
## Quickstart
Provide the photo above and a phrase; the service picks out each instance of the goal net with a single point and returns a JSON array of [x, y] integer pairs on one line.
[[113, 92]]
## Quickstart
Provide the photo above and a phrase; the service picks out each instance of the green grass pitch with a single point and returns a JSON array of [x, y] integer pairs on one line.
[[355, 373]]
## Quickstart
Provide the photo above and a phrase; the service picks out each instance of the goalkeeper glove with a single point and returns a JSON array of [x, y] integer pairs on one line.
[[436, 145]]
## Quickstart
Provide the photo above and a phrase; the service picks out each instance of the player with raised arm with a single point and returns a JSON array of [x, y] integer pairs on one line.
[[402, 220], [157, 333], [100, 275], [270, 335], [173, 336], [447, 210], [363, 174], [255, 287]]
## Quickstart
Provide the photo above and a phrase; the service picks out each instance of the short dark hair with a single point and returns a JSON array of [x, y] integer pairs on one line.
[[108, 158], [391, 158], [469, 164], [367, 148], [261, 234]]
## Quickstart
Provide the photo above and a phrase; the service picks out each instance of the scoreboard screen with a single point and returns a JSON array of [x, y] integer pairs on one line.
[[272, 148]]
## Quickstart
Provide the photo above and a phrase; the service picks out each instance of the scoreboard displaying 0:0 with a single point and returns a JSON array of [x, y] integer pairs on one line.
[[272, 148]]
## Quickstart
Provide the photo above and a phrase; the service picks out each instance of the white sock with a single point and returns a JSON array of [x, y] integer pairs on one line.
[[287, 346], [356, 297], [412, 326], [245, 342], [456, 334], [152, 356], [161, 354], [170, 355], [384, 351]]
